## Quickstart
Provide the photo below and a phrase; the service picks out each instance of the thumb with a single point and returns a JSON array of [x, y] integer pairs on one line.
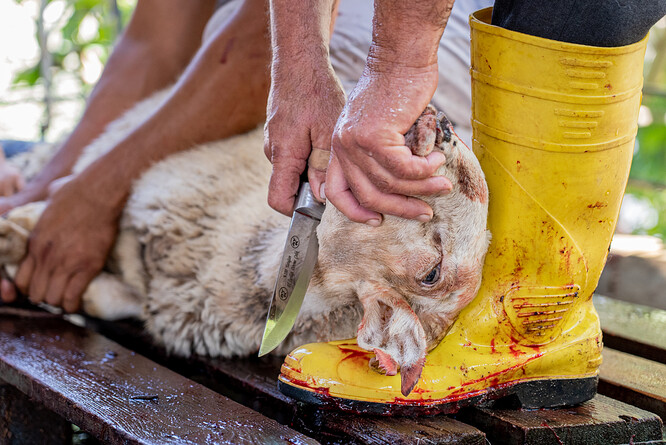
[[283, 185]]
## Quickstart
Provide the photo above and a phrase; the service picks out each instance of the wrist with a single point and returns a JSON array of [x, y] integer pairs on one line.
[[105, 189], [300, 29], [408, 33], [406, 52]]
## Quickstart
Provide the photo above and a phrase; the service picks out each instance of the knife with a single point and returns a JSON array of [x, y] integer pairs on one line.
[[298, 262]]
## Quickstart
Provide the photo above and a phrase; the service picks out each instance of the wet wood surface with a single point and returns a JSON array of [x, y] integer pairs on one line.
[[23, 421], [253, 382], [600, 421], [117, 395], [634, 380], [635, 329]]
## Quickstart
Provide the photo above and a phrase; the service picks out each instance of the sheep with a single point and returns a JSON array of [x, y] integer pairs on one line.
[[198, 250]]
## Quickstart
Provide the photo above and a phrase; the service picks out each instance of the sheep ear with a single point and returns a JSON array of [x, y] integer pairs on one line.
[[422, 135], [393, 331], [410, 375]]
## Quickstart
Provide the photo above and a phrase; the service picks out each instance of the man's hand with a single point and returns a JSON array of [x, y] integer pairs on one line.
[[372, 170], [67, 248], [303, 106], [305, 99], [11, 180]]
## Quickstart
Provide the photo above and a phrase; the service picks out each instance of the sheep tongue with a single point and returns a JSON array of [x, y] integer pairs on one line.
[[409, 375], [385, 362]]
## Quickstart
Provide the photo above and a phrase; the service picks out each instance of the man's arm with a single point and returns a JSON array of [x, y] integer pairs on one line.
[[157, 45], [305, 98], [372, 171], [222, 92]]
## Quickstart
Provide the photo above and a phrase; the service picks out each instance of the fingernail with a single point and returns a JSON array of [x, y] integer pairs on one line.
[[373, 222], [424, 218], [445, 186], [322, 191]]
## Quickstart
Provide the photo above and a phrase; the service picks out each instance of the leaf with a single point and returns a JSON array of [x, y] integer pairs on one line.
[[29, 76]]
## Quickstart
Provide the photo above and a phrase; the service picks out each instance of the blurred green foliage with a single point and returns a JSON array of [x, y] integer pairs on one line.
[[647, 179], [109, 17]]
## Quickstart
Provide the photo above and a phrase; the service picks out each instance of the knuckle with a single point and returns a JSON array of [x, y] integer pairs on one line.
[[368, 201], [382, 183], [277, 203]]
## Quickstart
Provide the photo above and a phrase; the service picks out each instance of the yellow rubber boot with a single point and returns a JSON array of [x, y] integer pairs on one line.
[[554, 129]]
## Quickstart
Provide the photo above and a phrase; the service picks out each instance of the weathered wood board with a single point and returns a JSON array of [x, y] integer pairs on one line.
[[638, 330], [119, 396], [600, 421]]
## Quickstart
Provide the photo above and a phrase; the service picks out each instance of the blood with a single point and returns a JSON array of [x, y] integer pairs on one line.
[[515, 352], [554, 432], [353, 353], [492, 346], [227, 50], [496, 374]]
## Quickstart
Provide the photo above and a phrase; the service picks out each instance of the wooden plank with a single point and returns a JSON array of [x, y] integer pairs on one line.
[[634, 380], [253, 382], [600, 421], [117, 395], [337, 427], [638, 330], [24, 422]]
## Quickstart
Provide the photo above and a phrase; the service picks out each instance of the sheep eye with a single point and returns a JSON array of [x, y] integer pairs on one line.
[[432, 277]]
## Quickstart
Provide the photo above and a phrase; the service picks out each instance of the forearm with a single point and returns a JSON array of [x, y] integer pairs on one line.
[[155, 48], [223, 92], [406, 33], [301, 31]]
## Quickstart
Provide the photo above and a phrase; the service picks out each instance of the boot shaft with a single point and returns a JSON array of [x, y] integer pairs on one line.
[[554, 128]]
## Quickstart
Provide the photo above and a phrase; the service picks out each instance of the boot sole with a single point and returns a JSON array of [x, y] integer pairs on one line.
[[533, 394]]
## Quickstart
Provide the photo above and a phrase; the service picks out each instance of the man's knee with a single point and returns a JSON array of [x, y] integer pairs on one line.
[[592, 22]]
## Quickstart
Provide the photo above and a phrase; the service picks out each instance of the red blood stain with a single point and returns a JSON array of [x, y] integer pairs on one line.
[[544, 423], [227, 50], [515, 352], [472, 185], [353, 353], [492, 376], [492, 346]]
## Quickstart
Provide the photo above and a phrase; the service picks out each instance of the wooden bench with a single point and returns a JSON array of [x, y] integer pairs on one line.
[[111, 381]]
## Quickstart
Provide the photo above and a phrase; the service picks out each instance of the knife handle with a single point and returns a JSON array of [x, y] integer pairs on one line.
[[306, 202]]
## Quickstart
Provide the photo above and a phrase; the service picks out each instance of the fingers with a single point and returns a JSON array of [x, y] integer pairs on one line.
[[317, 178], [7, 291], [290, 157], [318, 164], [341, 196], [363, 192], [7, 187], [24, 274], [20, 182], [283, 185], [75, 289], [54, 287], [11, 181], [399, 162]]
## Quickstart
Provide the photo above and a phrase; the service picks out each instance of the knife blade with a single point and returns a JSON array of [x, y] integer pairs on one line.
[[298, 262]]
